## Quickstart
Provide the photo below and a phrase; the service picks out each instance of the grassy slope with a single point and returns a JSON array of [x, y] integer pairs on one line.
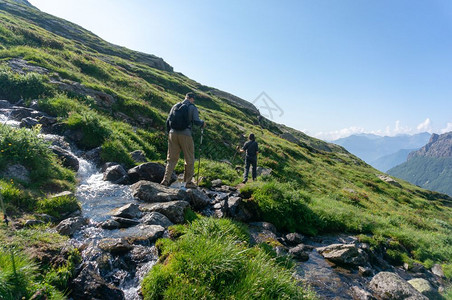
[[335, 190], [428, 172]]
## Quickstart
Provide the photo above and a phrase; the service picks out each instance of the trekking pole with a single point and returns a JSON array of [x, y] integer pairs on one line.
[[199, 158], [235, 154]]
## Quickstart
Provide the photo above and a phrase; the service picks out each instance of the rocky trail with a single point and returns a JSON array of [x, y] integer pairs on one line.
[[124, 211]]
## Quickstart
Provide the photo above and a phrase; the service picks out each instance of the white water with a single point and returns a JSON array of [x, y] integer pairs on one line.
[[99, 197], [4, 119]]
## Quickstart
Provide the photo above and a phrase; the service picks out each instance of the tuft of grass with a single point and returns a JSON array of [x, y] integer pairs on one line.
[[212, 260], [58, 207], [284, 206], [17, 275]]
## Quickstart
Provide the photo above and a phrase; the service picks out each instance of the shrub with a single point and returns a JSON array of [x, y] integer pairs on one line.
[[15, 86], [23, 146], [95, 128]]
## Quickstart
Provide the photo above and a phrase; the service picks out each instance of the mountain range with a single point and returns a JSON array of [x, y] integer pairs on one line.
[[383, 152], [431, 166]]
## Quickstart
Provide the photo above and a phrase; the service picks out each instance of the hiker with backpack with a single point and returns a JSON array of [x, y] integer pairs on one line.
[[252, 149], [181, 118]]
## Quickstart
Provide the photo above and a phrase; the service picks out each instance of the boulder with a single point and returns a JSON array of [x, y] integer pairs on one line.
[[129, 211], [389, 180], [197, 199], [236, 209], [365, 272], [31, 223], [438, 271], [263, 171], [28, 122], [107, 165], [16, 171], [344, 254], [116, 174], [115, 246], [156, 218], [19, 112], [425, 288], [125, 223], [153, 192], [69, 160], [388, 285], [93, 155], [70, 226], [300, 252], [216, 183], [150, 171], [110, 224], [138, 156], [293, 238], [173, 210], [90, 285], [146, 233], [263, 232]]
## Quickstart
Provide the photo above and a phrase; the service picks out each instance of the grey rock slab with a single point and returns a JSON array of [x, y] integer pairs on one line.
[[156, 218], [344, 254], [152, 192], [70, 226], [390, 286], [129, 211], [115, 245], [173, 210]]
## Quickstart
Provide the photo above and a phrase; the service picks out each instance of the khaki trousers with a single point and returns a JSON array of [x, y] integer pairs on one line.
[[176, 143]]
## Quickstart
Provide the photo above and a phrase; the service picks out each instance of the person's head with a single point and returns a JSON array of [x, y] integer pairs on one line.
[[251, 137], [190, 96]]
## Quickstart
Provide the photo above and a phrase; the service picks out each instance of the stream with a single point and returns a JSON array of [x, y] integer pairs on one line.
[[98, 198]]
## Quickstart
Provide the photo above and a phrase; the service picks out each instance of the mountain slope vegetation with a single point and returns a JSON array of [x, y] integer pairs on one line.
[[431, 166], [117, 99]]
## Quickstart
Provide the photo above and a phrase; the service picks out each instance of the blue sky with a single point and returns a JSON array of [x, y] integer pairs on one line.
[[333, 67]]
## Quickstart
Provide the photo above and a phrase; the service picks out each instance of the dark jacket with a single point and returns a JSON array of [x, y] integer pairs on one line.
[[251, 149]]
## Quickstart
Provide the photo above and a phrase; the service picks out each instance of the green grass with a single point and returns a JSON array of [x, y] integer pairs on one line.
[[213, 260], [31, 274], [24, 147]]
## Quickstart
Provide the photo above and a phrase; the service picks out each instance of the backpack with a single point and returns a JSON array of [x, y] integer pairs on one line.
[[179, 119]]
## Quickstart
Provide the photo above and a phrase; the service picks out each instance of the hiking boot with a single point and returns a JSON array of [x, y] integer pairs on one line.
[[190, 185], [164, 183], [244, 180]]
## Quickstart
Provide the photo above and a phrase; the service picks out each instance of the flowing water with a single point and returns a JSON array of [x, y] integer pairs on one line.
[[98, 198]]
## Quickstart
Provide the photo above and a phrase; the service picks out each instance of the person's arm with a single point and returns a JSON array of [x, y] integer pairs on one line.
[[195, 117], [245, 147]]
